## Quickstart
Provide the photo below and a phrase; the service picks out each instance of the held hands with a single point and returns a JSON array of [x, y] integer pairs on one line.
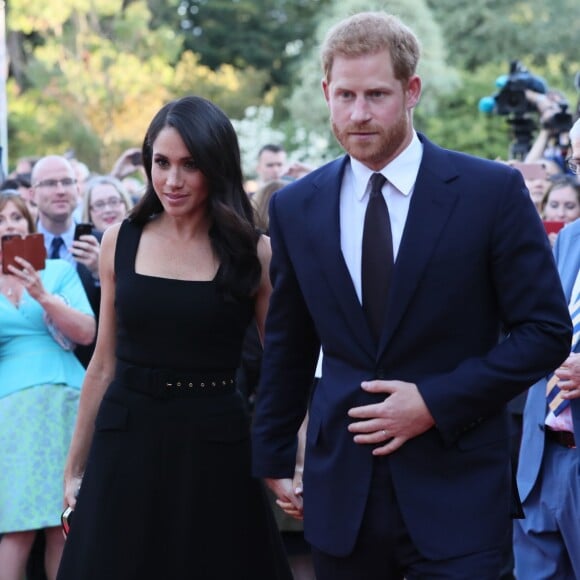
[[569, 375], [86, 251], [400, 417], [289, 494]]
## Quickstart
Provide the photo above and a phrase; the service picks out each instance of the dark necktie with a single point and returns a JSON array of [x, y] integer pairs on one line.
[[55, 248], [377, 257]]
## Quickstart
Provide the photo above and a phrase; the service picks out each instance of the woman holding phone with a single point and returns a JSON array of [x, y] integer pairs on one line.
[[160, 456], [43, 314]]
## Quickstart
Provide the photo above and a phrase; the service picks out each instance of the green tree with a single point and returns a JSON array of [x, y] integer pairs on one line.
[[92, 74], [498, 31], [267, 35]]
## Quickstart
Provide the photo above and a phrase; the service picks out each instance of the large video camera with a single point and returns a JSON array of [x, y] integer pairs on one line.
[[511, 101]]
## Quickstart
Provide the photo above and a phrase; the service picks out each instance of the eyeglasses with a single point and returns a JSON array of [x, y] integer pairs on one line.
[[100, 205], [65, 182], [573, 165]]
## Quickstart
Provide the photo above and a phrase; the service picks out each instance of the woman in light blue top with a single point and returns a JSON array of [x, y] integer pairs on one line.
[[43, 314]]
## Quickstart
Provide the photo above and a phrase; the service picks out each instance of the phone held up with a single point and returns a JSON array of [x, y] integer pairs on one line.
[[83, 229], [30, 247], [136, 158], [552, 226]]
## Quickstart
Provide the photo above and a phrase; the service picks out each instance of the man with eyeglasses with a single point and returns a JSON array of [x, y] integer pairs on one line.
[[546, 541], [55, 191]]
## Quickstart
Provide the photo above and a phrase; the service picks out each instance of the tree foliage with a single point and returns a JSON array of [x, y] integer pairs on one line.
[[95, 77], [88, 75], [497, 31], [268, 35]]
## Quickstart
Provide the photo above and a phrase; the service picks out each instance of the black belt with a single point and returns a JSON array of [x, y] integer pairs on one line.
[[564, 438], [163, 384]]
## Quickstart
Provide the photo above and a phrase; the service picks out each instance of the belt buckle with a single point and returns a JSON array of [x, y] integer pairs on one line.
[[161, 385]]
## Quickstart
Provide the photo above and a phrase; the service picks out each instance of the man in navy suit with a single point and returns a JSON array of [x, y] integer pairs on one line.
[[547, 541], [407, 469], [55, 190]]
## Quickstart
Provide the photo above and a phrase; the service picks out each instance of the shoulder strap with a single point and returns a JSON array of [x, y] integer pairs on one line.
[[126, 248]]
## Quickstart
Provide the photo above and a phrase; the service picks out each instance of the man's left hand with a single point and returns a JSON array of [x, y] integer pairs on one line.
[[400, 417]]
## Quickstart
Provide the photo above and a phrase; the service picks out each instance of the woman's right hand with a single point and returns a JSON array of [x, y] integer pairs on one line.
[[72, 485]]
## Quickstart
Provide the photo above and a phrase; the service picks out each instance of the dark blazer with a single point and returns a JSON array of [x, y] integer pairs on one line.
[[474, 259], [93, 290], [567, 252]]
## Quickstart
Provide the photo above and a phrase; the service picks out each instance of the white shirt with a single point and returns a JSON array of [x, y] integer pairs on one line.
[[401, 174], [67, 237]]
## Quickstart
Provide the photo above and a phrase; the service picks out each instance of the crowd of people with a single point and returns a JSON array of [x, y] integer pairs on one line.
[[306, 375]]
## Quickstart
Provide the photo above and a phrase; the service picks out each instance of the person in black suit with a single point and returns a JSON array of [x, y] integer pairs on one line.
[[407, 467], [55, 191]]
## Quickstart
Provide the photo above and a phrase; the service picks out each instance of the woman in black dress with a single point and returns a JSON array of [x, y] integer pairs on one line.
[[160, 457]]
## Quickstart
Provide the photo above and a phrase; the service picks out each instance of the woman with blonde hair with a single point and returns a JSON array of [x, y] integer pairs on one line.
[[106, 202]]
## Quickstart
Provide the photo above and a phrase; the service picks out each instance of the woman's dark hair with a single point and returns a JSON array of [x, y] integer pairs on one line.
[[212, 142]]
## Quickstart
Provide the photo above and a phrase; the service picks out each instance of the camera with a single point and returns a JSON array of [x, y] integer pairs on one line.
[[521, 114], [560, 122], [511, 98]]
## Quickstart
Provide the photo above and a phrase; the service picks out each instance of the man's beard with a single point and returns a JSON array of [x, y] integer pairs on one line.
[[386, 143]]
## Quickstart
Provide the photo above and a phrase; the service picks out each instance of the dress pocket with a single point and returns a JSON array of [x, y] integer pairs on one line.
[[112, 416]]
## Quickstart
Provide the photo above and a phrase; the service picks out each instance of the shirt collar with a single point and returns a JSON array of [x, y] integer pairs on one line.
[[67, 237], [401, 172]]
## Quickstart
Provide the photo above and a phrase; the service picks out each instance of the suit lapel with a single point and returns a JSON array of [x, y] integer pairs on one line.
[[431, 205], [322, 211]]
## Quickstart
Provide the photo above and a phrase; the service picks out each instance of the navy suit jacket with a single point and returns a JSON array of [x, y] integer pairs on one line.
[[567, 252], [474, 261]]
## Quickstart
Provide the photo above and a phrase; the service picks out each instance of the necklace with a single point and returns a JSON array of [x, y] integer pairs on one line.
[[7, 288]]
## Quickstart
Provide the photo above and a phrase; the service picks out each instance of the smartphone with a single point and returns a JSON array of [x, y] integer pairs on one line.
[[66, 519], [552, 226], [136, 158], [83, 230], [531, 170], [30, 247]]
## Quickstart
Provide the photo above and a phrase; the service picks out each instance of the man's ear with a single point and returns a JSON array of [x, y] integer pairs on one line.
[[413, 91], [325, 89]]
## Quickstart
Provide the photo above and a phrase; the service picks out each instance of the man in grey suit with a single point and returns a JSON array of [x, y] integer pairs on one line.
[[547, 541]]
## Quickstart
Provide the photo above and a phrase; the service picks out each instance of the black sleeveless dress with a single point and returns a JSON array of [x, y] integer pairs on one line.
[[167, 492]]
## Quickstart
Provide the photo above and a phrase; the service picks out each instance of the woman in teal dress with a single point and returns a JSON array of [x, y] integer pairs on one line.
[[43, 314]]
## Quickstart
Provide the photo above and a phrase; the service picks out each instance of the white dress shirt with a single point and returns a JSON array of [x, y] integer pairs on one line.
[[401, 174]]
